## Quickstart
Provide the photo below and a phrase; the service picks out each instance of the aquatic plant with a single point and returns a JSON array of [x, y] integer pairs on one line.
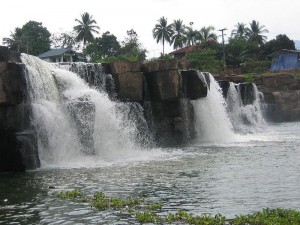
[[103, 202], [269, 217], [149, 213]]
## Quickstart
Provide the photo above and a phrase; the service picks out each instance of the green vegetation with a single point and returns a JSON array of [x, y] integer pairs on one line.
[[103, 202], [269, 217], [204, 61], [150, 213]]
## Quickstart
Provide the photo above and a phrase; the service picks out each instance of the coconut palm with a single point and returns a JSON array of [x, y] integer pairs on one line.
[[86, 28], [178, 34], [207, 33], [255, 32], [240, 30], [191, 36], [162, 32]]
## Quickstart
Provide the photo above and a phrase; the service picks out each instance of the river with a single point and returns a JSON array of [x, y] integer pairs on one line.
[[255, 171]]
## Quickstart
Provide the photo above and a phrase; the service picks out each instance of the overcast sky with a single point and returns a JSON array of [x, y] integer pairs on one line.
[[118, 16]]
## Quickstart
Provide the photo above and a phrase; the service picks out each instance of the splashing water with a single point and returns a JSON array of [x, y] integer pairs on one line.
[[246, 118], [73, 120], [212, 121]]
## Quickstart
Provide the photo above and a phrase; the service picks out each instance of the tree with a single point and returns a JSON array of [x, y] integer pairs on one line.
[[162, 32], [32, 38], [102, 47], [132, 48], [255, 33], [178, 36], [240, 30], [236, 51], [280, 42], [191, 36], [86, 28], [206, 33], [65, 40]]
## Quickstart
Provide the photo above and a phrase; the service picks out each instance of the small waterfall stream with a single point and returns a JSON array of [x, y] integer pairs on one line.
[[212, 120]]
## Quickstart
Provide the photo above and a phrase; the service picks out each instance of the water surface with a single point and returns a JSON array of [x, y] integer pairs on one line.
[[261, 170]]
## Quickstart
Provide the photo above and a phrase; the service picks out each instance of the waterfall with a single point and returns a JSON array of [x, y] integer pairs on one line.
[[212, 122], [245, 107], [73, 120]]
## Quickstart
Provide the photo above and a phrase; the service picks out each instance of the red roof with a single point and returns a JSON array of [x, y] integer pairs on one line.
[[183, 50]]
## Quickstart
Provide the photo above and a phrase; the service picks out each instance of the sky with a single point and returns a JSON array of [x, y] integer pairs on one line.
[[118, 16]]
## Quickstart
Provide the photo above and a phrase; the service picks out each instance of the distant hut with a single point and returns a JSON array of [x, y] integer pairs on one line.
[[181, 53], [285, 60]]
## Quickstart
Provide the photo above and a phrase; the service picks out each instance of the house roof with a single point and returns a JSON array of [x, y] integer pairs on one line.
[[55, 52], [284, 51], [183, 50]]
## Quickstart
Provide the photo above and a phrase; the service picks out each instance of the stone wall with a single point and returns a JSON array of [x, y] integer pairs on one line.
[[18, 143], [167, 89], [162, 85], [281, 95]]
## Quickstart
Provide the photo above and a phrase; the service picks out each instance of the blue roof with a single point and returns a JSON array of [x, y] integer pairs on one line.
[[55, 52]]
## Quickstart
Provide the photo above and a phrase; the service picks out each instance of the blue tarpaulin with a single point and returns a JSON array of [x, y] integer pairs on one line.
[[285, 60]]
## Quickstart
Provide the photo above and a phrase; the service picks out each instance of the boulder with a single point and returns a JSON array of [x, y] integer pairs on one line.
[[129, 86], [163, 85], [161, 65], [11, 85], [247, 93], [194, 84], [224, 84], [18, 151], [118, 67]]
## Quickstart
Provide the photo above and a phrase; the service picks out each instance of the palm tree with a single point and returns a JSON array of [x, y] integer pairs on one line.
[[254, 33], [162, 32], [178, 33], [86, 28], [191, 36], [207, 33], [240, 30]]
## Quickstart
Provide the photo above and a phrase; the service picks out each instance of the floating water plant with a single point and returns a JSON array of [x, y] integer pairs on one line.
[[149, 213]]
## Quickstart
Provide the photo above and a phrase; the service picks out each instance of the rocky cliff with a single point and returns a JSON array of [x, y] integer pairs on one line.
[[281, 94]]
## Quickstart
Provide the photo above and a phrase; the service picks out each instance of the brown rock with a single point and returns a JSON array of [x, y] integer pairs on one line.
[[118, 67], [129, 86], [194, 84], [161, 65], [163, 85], [2, 67]]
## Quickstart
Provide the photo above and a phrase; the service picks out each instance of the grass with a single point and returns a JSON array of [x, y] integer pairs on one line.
[[150, 213]]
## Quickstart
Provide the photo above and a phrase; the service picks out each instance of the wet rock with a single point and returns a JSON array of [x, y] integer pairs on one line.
[[161, 65], [118, 67], [163, 85], [194, 84], [129, 86], [247, 93], [225, 87]]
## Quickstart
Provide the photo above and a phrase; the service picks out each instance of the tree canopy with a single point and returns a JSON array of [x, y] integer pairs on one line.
[[87, 26], [32, 38]]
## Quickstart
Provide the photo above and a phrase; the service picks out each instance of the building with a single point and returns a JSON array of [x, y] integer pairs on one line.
[[61, 55], [180, 53], [285, 60]]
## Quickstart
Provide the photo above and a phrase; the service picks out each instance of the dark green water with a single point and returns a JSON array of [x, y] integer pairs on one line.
[[261, 170]]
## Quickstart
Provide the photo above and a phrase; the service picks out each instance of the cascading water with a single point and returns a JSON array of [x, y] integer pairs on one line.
[[246, 116], [73, 120], [212, 121]]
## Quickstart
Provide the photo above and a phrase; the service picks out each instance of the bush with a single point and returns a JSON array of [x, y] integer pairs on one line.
[[204, 61], [252, 66]]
